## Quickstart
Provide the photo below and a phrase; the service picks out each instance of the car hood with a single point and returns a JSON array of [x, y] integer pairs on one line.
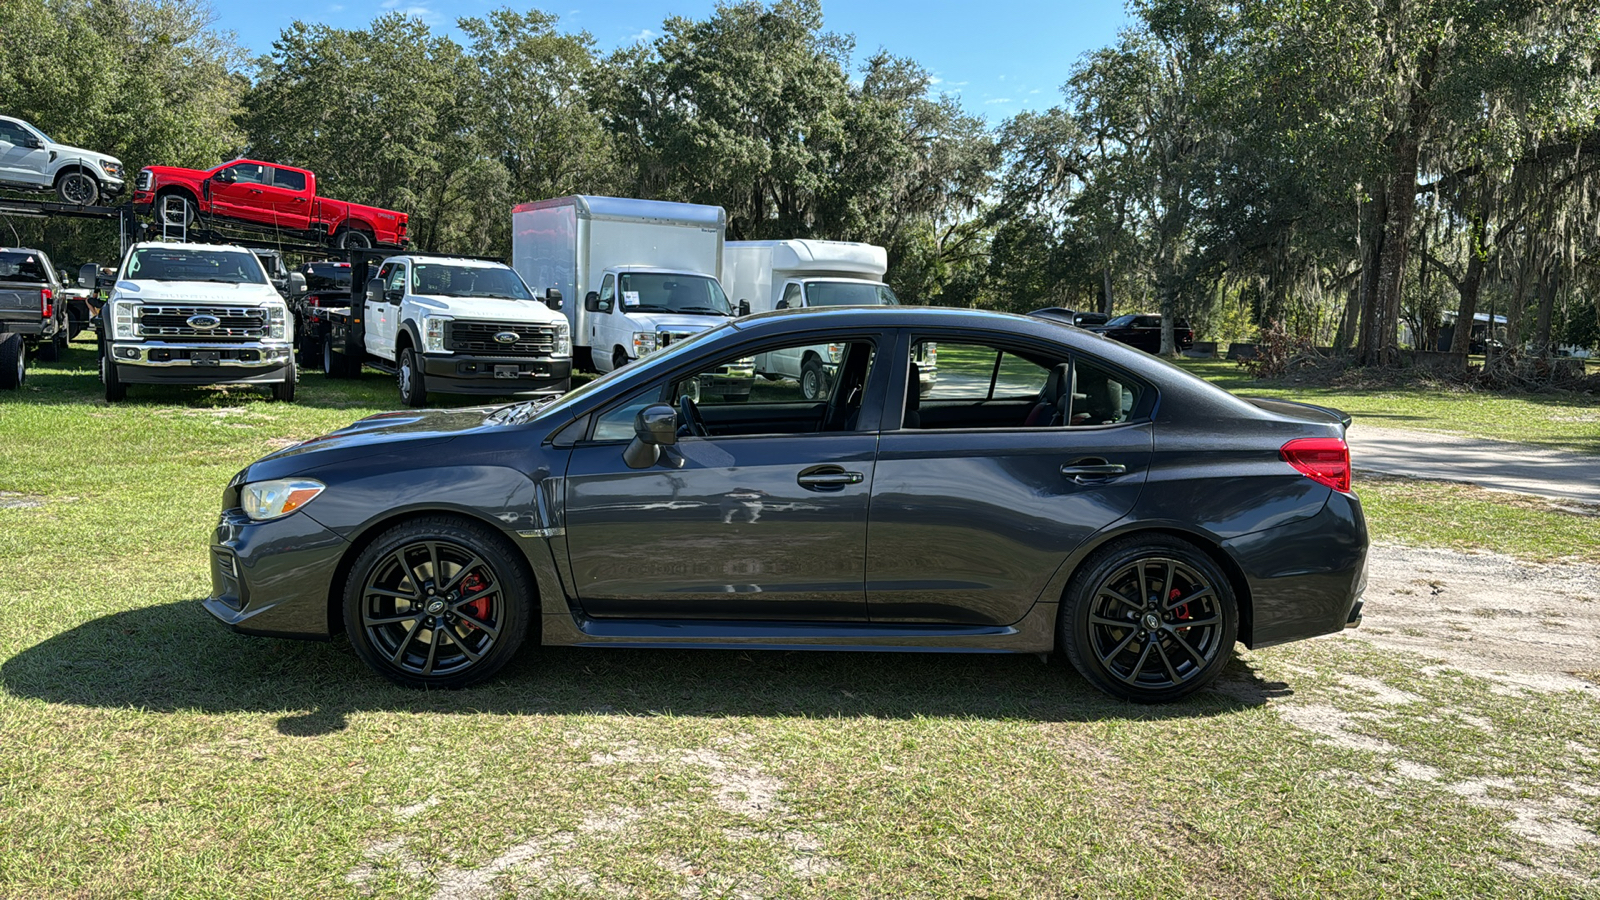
[[691, 323], [195, 292], [407, 432], [488, 309], [80, 153]]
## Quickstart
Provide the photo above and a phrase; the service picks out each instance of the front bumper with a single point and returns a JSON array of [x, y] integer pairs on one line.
[[274, 577], [1307, 577], [508, 375], [158, 362]]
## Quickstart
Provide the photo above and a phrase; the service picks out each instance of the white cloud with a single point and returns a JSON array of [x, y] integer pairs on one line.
[[999, 100], [644, 34], [1034, 91], [1002, 78], [934, 79], [336, 8], [960, 83]]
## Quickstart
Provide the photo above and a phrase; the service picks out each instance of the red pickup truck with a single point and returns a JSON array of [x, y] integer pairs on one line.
[[267, 196]]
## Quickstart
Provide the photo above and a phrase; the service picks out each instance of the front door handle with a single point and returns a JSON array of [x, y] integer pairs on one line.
[[828, 478], [1087, 470]]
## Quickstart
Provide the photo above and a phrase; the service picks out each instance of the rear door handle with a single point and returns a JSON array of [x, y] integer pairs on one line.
[[1092, 470]]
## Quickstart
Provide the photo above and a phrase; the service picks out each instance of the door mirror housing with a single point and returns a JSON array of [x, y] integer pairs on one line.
[[297, 283], [32, 143], [744, 307], [225, 176], [375, 290], [591, 301], [654, 427], [89, 276], [552, 299]]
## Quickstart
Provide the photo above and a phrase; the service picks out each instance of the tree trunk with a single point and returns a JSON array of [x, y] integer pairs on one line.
[[1105, 301], [1368, 309], [1468, 287], [1547, 302]]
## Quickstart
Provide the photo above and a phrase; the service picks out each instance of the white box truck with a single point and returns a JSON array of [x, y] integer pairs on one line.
[[643, 273], [806, 274]]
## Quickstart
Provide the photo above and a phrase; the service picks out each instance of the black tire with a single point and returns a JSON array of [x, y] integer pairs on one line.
[[115, 389], [813, 380], [334, 363], [187, 216], [438, 602], [53, 349], [309, 354], [619, 358], [283, 391], [77, 321], [1142, 651], [78, 188], [13, 362], [353, 239], [409, 377]]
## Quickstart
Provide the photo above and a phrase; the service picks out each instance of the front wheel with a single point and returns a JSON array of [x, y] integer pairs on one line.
[[413, 391], [115, 389], [437, 602], [13, 362], [78, 188], [1150, 619], [618, 359], [283, 391]]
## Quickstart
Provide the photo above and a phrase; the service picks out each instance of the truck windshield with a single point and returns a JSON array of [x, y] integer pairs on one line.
[[849, 293], [667, 292], [24, 267], [440, 280], [179, 263]]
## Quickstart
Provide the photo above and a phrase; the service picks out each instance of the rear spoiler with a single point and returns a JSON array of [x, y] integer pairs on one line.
[[1296, 408]]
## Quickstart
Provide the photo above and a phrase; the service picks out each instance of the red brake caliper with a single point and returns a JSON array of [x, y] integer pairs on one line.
[[1182, 612], [479, 608]]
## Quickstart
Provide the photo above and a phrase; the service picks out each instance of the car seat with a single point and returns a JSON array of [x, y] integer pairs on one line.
[[1052, 404]]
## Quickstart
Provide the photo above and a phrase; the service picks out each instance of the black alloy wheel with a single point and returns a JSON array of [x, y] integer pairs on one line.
[[78, 188], [1151, 620], [437, 602]]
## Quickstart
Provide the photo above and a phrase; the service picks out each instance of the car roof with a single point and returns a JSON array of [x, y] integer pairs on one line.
[[177, 245], [464, 261]]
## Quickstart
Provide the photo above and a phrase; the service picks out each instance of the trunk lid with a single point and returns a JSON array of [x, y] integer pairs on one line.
[[1306, 412]]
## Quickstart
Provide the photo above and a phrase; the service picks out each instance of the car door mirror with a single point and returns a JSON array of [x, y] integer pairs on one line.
[[654, 427], [782, 304], [591, 301], [375, 291], [297, 283], [552, 299], [32, 143], [88, 276], [744, 307]]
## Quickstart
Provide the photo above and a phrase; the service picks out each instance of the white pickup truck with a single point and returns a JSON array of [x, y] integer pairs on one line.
[[456, 325], [193, 314], [31, 161]]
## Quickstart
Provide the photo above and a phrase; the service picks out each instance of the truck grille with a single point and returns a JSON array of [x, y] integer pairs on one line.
[[666, 338], [478, 337], [234, 322]]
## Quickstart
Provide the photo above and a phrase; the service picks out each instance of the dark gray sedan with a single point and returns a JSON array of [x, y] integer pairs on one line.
[[1052, 490]]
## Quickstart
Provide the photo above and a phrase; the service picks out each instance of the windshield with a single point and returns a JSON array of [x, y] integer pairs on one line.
[[178, 263], [664, 292], [1123, 321], [444, 280], [849, 293], [25, 267], [328, 277]]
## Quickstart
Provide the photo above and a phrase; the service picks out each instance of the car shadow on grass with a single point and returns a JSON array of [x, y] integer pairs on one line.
[[173, 658]]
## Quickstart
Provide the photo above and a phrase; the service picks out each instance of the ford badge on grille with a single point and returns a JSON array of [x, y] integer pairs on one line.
[[203, 322], [508, 337]]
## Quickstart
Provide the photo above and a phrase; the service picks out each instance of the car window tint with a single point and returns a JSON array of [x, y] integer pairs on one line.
[[397, 279], [1099, 396], [820, 389], [616, 424], [22, 266], [11, 133], [249, 173], [288, 179], [791, 295], [977, 372]]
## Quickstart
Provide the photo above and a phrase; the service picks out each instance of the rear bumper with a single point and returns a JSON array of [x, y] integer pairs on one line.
[[273, 577], [1306, 578], [30, 328], [459, 374], [175, 363]]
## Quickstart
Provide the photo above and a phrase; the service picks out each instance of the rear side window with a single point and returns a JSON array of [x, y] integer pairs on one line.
[[288, 179], [1100, 396], [24, 267]]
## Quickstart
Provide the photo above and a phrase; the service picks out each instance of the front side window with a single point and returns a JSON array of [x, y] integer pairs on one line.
[[791, 296], [396, 281], [249, 173], [12, 133], [608, 292], [176, 263]]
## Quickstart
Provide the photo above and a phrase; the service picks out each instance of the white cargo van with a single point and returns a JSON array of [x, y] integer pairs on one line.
[[643, 273], [805, 274]]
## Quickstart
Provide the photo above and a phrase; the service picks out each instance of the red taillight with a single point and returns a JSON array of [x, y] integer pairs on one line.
[[1323, 460], [47, 303]]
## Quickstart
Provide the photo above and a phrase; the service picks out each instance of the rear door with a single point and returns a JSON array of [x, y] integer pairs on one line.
[[1018, 455], [288, 198]]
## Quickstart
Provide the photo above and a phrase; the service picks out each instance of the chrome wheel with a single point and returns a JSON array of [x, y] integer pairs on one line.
[[432, 608]]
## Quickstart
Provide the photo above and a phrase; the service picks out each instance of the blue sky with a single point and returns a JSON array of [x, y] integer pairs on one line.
[[998, 56]]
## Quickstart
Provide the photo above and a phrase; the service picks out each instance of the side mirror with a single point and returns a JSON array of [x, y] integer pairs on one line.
[[32, 143], [375, 291], [88, 276], [297, 283], [653, 428], [552, 298], [591, 301], [782, 304], [744, 307]]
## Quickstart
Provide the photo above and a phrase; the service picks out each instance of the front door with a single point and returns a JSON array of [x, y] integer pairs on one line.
[[383, 315], [1012, 460], [20, 163], [758, 512]]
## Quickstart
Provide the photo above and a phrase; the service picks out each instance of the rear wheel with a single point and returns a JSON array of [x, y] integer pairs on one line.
[[53, 349], [352, 239], [437, 602], [1151, 619], [413, 390], [813, 380], [77, 187], [13, 362]]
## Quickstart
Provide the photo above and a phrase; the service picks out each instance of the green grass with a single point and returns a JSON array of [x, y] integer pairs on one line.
[[146, 751], [1559, 420], [1444, 514]]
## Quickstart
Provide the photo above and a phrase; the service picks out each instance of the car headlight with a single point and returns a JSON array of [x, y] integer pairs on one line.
[[114, 169], [433, 333], [278, 322], [123, 315], [644, 342], [563, 342], [835, 352], [273, 499]]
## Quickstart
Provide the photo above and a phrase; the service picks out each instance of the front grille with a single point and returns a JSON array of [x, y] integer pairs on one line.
[[235, 322], [478, 337]]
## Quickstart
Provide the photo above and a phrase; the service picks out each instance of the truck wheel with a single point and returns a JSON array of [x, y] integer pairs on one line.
[[13, 364], [351, 239], [413, 391], [309, 355], [77, 187], [333, 362], [186, 215], [813, 380], [283, 391], [618, 359], [51, 350], [115, 389]]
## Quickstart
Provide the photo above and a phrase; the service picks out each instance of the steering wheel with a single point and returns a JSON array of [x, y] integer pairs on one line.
[[692, 422]]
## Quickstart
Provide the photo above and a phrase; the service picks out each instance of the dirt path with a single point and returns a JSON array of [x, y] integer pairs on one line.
[[1496, 465]]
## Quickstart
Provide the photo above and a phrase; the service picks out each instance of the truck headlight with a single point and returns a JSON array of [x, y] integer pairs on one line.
[[835, 352], [124, 313], [563, 342], [273, 499], [278, 322], [433, 333], [643, 342], [111, 168]]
